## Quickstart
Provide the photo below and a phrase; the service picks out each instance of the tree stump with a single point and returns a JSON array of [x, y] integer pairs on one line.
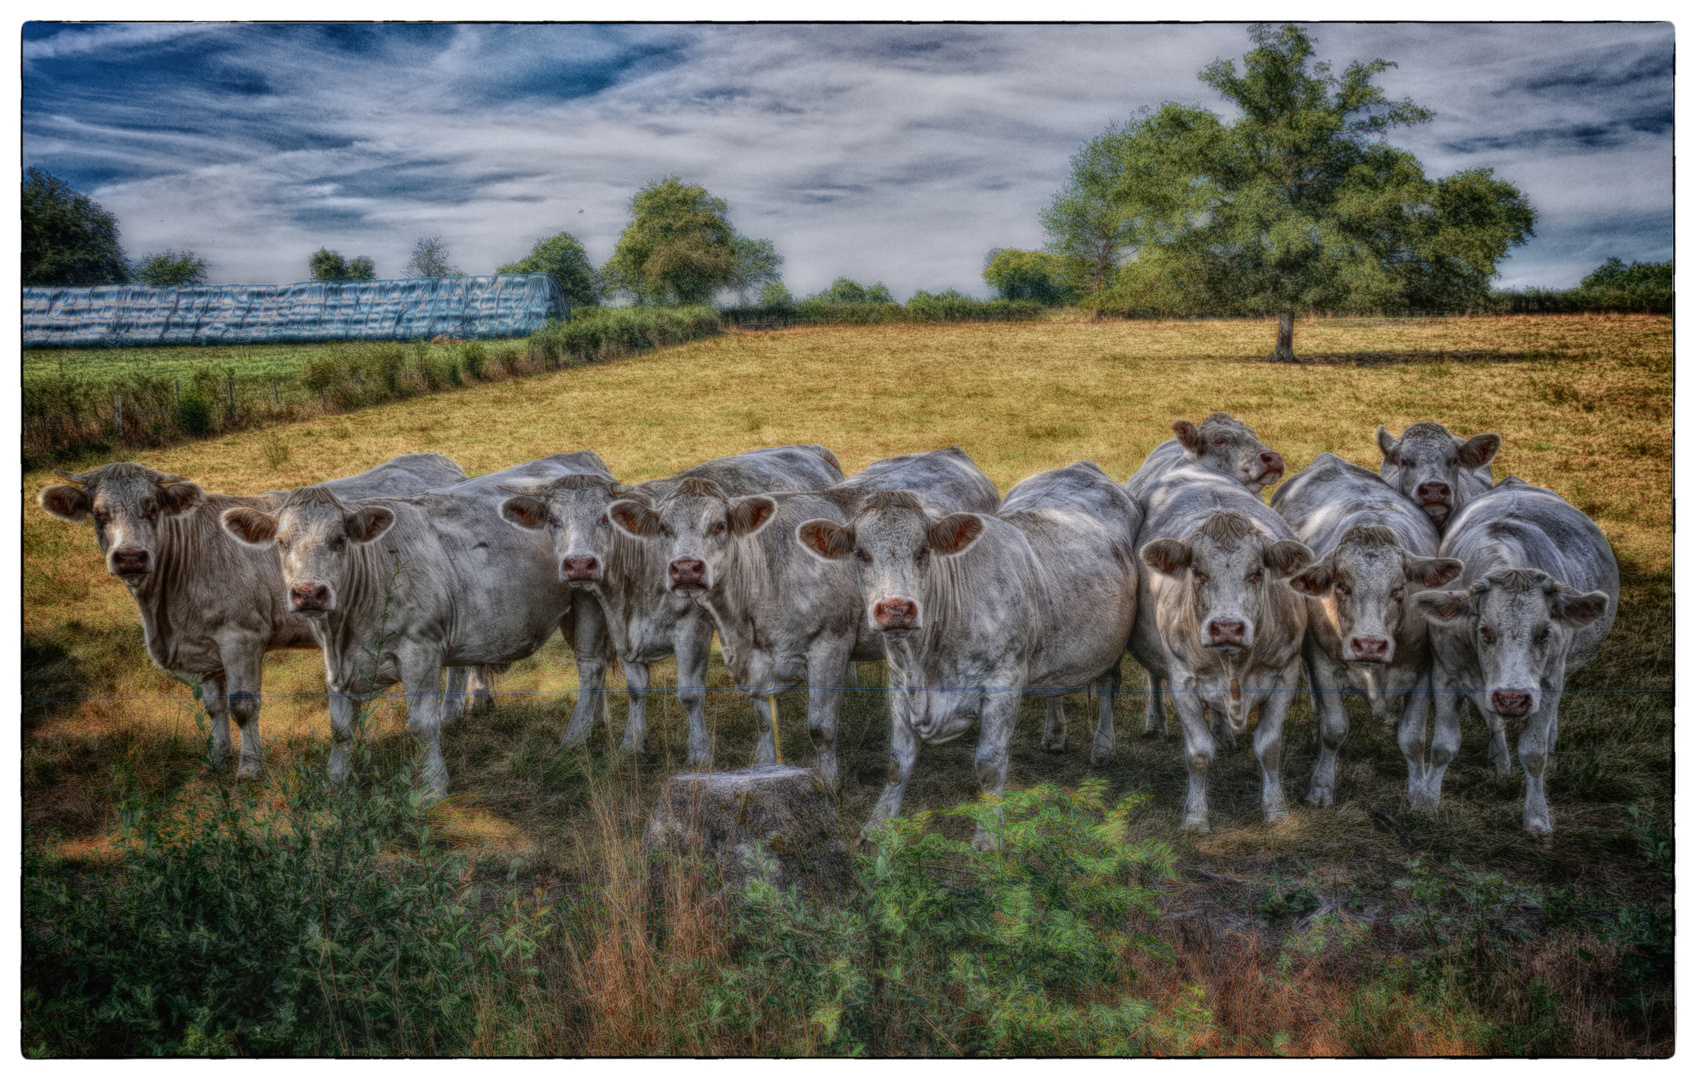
[[787, 812]]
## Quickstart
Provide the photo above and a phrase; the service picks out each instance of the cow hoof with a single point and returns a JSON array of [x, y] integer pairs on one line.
[[248, 771], [1100, 756], [629, 749], [1196, 825], [1319, 797], [1053, 748], [1540, 828], [1275, 816], [984, 840]]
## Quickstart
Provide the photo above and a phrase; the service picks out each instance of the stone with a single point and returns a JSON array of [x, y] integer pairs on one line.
[[788, 812]]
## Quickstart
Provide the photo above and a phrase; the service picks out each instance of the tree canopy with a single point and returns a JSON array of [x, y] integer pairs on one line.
[[845, 290], [68, 239], [1296, 207], [755, 264], [1085, 223], [430, 259], [562, 258], [169, 268], [1027, 275], [327, 265], [679, 247]]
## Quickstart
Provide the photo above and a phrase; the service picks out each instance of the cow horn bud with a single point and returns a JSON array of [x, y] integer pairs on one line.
[[79, 479]]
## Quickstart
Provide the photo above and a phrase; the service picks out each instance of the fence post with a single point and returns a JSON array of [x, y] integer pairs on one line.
[[177, 393], [276, 397], [118, 412], [359, 379], [322, 402], [234, 417]]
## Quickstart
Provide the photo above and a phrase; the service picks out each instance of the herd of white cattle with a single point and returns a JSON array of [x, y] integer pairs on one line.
[[1419, 587]]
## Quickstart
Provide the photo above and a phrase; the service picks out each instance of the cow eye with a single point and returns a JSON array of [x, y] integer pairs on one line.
[[718, 527], [1451, 463], [1542, 635], [605, 520], [1199, 576], [860, 554], [1342, 590], [1397, 593], [921, 555], [1409, 462], [339, 542], [1487, 634], [1254, 578], [553, 522], [1221, 442], [665, 531]]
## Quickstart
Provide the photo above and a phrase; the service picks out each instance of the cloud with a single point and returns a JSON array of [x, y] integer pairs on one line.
[[891, 152]]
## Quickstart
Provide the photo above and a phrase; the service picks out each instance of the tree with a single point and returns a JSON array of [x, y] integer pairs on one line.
[[430, 259], [171, 268], [846, 290], [1084, 222], [361, 268], [68, 239], [1027, 275], [1300, 205], [775, 294], [562, 258], [1615, 274], [756, 264], [679, 247]]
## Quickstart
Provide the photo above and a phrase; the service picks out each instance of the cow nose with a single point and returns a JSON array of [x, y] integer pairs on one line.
[[129, 561], [895, 614], [310, 597], [1432, 491], [1226, 632], [1372, 650], [1271, 462], [687, 571], [1510, 702], [579, 568]]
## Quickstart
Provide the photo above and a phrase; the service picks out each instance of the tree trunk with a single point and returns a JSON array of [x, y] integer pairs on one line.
[[1285, 353]]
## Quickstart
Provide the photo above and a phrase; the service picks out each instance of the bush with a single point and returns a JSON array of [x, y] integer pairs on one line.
[[475, 356], [604, 333], [1022, 951]]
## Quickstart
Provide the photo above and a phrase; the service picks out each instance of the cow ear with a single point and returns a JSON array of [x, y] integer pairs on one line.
[[248, 525], [1432, 573], [1285, 557], [954, 533], [1166, 556], [65, 502], [1316, 580], [825, 539], [748, 516], [368, 523], [1189, 435], [1479, 450], [1387, 444], [1443, 607], [178, 497], [525, 511], [1578, 609], [633, 518]]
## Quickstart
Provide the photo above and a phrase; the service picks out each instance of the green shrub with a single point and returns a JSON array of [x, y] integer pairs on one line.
[[238, 923], [194, 415], [1021, 951], [475, 356]]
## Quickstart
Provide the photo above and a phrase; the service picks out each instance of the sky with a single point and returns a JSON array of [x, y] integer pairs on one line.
[[893, 153]]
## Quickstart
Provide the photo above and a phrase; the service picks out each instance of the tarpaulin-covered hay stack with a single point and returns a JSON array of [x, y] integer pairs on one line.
[[495, 306]]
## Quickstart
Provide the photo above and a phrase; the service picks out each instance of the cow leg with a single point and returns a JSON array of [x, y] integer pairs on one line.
[[995, 745], [1222, 733], [218, 716], [421, 673], [1325, 689], [480, 688], [1269, 746], [344, 713], [1198, 753], [693, 642], [1106, 692], [903, 754], [1446, 706], [1410, 736], [585, 630], [824, 709], [765, 750], [243, 662], [851, 674], [1054, 725], [453, 698], [636, 727], [1536, 754], [1154, 709], [1499, 757]]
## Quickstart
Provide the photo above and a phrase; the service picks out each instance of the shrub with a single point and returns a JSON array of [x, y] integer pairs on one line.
[[475, 356], [1021, 951], [194, 414], [237, 923]]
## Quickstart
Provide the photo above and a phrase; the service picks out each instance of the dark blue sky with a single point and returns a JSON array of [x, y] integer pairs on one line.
[[895, 153]]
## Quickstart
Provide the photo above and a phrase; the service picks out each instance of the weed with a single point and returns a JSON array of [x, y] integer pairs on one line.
[[275, 448]]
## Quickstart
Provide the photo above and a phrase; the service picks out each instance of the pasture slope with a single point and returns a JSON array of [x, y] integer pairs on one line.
[[1305, 937]]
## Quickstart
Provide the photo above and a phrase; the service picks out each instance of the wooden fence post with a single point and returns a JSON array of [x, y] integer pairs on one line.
[[276, 397], [323, 403], [177, 392], [234, 417], [118, 412]]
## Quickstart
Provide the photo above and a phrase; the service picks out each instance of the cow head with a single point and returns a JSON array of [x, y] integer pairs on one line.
[[695, 524], [314, 533], [1521, 623], [1228, 568], [575, 511], [895, 546], [128, 504], [1227, 445], [1427, 462], [1370, 576]]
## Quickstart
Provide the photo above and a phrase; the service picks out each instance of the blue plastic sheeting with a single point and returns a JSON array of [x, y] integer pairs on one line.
[[496, 306]]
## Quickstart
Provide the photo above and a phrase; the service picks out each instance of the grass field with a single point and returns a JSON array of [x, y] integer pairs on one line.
[[279, 362], [1583, 404]]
